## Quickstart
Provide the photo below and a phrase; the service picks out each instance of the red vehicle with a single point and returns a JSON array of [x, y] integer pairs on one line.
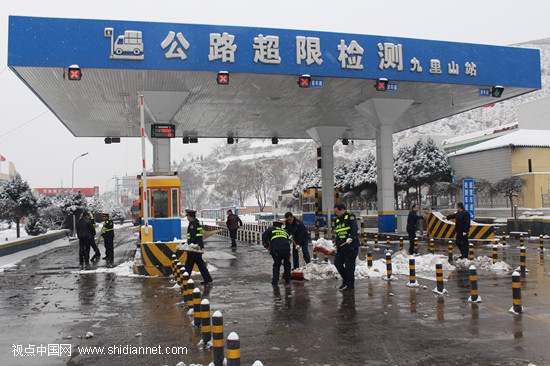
[[134, 210]]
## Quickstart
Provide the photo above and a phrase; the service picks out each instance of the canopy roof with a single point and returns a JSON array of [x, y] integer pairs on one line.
[[174, 66]]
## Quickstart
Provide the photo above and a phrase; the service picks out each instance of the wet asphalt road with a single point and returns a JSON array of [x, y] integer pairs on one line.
[[46, 300]]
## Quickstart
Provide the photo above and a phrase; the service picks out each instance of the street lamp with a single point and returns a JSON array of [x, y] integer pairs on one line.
[[72, 180], [72, 189]]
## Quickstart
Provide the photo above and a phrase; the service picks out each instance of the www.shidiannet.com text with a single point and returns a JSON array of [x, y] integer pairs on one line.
[[132, 350], [66, 350]]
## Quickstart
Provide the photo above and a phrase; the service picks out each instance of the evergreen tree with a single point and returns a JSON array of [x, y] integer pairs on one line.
[[18, 201]]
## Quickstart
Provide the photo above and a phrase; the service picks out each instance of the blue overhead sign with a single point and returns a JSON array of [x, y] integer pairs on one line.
[[112, 44]]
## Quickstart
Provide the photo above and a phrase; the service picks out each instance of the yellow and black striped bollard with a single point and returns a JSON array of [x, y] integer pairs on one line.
[[521, 240], [474, 294], [174, 265], [522, 259], [400, 243], [388, 265], [450, 251], [432, 246], [516, 293], [197, 316], [178, 275], [471, 251], [388, 243], [415, 245], [376, 242], [190, 289], [495, 254], [185, 277], [205, 322], [503, 238], [440, 288], [541, 243], [412, 273], [217, 338], [369, 259], [233, 350]]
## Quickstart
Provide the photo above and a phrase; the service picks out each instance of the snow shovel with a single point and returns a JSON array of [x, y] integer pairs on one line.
[[295, 275]]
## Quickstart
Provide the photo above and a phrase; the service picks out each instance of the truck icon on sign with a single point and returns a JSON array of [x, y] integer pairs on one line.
[[128, 46]]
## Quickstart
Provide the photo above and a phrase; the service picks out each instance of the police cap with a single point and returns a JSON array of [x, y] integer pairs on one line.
[[277, 224]]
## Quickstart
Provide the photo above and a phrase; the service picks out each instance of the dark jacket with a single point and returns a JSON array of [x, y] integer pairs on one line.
[[85, 229], [412, 221], [298, 231], [276, 240], [462, 221], [344, 228], [194, 233], [108, 228], [233, 222]]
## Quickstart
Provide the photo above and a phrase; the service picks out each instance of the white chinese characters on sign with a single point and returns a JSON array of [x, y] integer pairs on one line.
[[350, 57], [266, 49], [308, 49], [222, 47], [176, 49], [391, 56]]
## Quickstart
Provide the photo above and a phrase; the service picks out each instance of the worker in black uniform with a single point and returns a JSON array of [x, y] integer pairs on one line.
[[93, 245], [84, 230], [297, 231], [194, 236], [462, 228], [108, 234], [412, 227], [275, 239], [347, 246]]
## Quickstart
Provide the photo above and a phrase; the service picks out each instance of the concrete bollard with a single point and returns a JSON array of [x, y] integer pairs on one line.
[[412, 274], [415, 245], [205, 322], [233, 350], [369, 259], [217, 338], [440, 289], [450, 251], [190, 289], [471, 251], [522, 256], [495, 254], [388, 265], [197, 316], [516, 294], [541, 243], [474, 295], [400, 243], [432, 246]]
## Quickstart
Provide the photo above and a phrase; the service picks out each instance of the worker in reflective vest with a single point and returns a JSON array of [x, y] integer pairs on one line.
[[275, 239], [347, 246], [194, 236], [108, 234]]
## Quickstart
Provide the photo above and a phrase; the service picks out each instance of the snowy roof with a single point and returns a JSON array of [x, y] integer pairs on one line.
[[486, 132], [520, 138]]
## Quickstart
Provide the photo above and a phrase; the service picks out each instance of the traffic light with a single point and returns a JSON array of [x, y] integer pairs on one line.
[[381, 84], [319, 162], [496, 91], [74, 72], [304, 81], [223, 78]]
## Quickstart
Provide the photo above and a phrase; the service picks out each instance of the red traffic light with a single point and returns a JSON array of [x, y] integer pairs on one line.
[[381, 84], [304, 81], [74, 72], [223, 78]]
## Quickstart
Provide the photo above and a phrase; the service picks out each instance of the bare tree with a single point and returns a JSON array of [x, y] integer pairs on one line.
[[261, 183], [511, 187]]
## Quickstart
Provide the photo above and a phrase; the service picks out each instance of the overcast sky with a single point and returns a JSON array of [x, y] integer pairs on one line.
[[43, 150]]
